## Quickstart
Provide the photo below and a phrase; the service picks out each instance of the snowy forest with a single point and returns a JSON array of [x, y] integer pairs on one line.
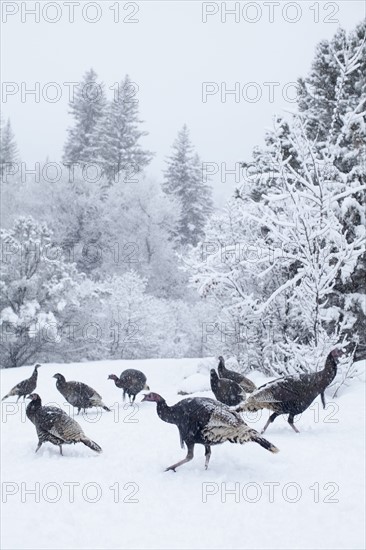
[[102, 261]]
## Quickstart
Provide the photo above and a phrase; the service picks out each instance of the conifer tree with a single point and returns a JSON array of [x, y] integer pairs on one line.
[[8, 146], [306, 218], [119, 134], [334, 86], [88, 108], [333, 100], [183, 180]]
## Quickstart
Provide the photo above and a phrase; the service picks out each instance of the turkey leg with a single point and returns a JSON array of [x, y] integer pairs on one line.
[[269, 421], [207, 455], [291, 422], [187, 459], [323, 399]]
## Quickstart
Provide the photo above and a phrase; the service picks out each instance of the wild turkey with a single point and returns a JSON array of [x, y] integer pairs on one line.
[[131, 381], [207, 422], [78, 394], [26, 386], [225, 390], [240, 379], [55, 426], [293, 394]]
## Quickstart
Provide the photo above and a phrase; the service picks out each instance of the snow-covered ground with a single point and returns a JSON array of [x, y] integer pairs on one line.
[[310, 495]]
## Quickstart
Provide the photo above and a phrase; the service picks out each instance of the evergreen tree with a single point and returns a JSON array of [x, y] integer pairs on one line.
[[8, 146], [336, 84], [119, 134], [87, 107], [183, 180], [333, 100], [306, 215]]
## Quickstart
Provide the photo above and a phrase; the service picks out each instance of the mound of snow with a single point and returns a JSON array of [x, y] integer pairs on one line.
[[205, 365], [195, 383], [232, 364]]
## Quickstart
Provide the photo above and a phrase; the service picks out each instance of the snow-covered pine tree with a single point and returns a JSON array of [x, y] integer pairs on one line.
[[87, 108], [333, 100], [331, 89], [183, 180], [8, 146], [119, 133], [305, 214]]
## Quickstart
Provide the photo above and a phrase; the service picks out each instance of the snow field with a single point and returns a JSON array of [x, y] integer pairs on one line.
[[310, 495]]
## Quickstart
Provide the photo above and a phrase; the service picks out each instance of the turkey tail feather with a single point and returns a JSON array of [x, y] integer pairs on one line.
[[237, 434], [250, 406], [97, 402], [13, 391], [91, 444], [265, 444]]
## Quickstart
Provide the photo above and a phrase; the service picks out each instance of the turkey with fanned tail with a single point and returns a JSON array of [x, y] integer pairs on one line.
[[204, 421]]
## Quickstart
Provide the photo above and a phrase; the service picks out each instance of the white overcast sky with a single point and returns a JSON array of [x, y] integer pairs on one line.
[[169, 53]]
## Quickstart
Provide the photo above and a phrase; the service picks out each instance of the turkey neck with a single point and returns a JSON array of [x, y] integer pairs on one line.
[[165, 412], [330, 370], [60, 383], [214, 381], [34, 375], [34, 406], [223, 371], [221, 368]]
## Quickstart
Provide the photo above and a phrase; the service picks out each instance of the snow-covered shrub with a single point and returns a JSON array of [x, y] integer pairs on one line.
[[36, 286]]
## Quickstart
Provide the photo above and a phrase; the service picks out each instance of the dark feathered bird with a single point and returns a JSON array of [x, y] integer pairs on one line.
[[26, 386], [240, 379], [55, 426], [207, 422], [131, 382], [293, 394], [225, 390], [78, 394]]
